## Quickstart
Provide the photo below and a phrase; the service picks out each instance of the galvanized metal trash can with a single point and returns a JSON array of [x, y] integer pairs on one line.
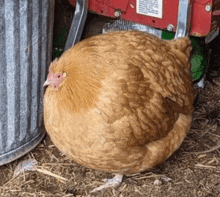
[[26, 30]]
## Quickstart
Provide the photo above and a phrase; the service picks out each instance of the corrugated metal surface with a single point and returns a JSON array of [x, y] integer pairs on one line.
[[25, 40]]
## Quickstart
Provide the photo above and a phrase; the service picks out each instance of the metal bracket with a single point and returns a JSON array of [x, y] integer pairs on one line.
[[78, 23], [121, 25], [183, 18]]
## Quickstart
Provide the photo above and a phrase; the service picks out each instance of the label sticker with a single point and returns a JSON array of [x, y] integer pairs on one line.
[[150, 7]]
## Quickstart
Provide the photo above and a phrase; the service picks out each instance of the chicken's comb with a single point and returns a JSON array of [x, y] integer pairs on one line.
[[55, 60]]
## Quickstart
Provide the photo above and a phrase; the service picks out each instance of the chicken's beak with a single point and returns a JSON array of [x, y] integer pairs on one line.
[[46, 83]]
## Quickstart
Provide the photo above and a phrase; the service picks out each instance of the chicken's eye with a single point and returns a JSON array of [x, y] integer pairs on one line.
[[58, 76]]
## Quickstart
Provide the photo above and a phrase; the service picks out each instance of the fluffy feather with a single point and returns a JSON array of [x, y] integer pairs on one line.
[[125, 103]]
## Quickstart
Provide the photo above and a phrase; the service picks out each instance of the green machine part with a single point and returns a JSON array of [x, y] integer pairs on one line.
[[199, 58], [59, 43]]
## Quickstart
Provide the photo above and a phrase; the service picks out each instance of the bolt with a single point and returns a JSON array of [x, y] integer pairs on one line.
[[208, 8], [117, 13], [170, 27]]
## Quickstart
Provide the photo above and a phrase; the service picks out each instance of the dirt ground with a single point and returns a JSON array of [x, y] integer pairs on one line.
[[193, 170]]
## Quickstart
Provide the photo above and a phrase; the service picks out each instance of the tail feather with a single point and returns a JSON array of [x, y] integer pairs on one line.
[[182, 44]]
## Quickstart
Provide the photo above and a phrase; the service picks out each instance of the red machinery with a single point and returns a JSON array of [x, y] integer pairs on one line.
[[162, 14]]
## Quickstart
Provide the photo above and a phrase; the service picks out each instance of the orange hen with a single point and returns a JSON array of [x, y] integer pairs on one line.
[[120, 102]]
